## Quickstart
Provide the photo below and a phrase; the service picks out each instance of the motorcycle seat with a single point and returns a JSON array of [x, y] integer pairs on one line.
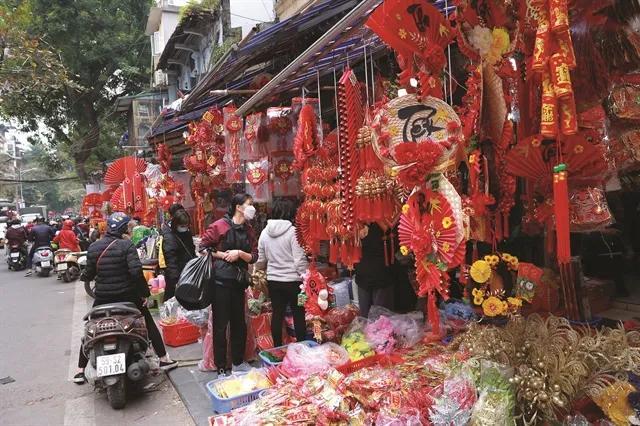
[[111, 309]]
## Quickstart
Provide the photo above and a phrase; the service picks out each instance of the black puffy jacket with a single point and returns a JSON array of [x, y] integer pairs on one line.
[[41, 235], [178, 249], [118, 273]]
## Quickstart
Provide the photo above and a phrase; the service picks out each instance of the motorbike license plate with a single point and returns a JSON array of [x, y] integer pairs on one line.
[[15, 255], [62, 266], [45, 264], [110, 365]]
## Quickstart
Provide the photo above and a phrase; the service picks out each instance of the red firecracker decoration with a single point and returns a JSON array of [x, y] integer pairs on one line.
[[306, 140]]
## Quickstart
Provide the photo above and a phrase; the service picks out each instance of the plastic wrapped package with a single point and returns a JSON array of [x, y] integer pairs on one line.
[[589, 210], [380, 335], [170, 311], [408, 328], [280, 128], [623, 102], [355, 341], [341, 292], [407, 417], [257, 180], [303, 361], [193, 290], [339, 319], [199, 318]]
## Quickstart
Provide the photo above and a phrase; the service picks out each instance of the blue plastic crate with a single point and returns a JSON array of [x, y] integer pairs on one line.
[[224, 405], [267, 363]]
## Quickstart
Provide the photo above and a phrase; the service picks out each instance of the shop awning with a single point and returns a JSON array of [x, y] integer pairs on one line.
[[270, 48], [344, 43]]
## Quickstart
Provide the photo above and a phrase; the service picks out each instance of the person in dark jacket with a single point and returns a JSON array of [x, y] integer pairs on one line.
[[114, 264], [178, 249], [234, 246], [374, 275], [17, 236], [41, 235]]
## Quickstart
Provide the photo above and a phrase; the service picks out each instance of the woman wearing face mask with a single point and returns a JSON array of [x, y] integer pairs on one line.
[[178, 249], [234, 247]]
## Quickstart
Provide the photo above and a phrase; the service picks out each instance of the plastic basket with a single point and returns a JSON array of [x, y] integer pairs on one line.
[[370, 361], [179, 334], [268, 363], [224, 405]]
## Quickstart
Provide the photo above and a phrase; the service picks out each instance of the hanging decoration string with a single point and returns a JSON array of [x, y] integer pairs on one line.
[[446, 8], [319, 98], [335, 97], [366, 75]]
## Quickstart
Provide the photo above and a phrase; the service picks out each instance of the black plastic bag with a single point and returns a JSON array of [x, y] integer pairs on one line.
[[194, 290]]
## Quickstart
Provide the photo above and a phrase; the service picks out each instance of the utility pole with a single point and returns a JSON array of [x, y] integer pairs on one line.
[[19, 200]]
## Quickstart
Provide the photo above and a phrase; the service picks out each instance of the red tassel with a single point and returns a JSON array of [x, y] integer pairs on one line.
[[432, 312], [561, 210]]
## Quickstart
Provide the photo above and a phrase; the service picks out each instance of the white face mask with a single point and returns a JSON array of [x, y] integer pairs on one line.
[[249, 212], [183, 228]]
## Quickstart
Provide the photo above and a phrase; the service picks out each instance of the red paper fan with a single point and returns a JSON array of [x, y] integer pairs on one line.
[[410, 27], [123, 167], [106, 195], [117, 200], [583, 158], [530, 158], [429, 227]]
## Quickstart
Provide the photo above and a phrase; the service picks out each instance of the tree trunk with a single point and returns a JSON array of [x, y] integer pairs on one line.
[[90, 128]]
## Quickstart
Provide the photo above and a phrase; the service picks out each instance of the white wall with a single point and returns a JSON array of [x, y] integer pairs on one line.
[[257, 10]]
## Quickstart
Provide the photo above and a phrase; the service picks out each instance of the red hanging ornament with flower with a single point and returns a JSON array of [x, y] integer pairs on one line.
[[233, 131]]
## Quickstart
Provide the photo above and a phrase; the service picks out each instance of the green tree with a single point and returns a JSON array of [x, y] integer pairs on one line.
[[46, 164], [95, 51]]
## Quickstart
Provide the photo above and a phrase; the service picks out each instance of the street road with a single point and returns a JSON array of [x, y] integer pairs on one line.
[[40, 330]]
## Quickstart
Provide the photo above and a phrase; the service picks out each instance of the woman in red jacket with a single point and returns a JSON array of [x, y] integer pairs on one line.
[[67, 239]]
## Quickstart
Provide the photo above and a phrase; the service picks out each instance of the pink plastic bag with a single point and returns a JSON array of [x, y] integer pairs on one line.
[[302, 360]]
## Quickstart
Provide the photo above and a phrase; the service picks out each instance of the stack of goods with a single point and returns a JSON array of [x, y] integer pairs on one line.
[[535, 371], [242, 384]]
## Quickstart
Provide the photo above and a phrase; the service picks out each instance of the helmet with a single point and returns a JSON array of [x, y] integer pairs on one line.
[[117, 223], [68, 223]]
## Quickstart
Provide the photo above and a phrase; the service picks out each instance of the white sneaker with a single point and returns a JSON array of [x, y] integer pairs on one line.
[[242, 368]]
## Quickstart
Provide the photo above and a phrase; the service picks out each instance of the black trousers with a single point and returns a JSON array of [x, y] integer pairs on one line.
[[152, 329], [283, 294], [228, 308]]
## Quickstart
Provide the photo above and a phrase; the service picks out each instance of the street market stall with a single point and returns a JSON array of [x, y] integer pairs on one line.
[[483, 138]]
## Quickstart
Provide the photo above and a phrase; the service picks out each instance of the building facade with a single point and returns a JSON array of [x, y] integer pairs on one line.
[[287, 8]]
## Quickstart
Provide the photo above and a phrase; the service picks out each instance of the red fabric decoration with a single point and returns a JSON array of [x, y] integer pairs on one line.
[[233, 130], [428, 228], [306, 139], [410, 27]]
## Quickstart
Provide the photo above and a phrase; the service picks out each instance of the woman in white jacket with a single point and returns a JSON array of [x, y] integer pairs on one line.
[[285, 261]]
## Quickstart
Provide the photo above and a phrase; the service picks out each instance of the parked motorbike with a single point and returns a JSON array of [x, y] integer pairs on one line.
[[115, 341], [89, 286], [43, 261], [17, 258], [67, 264]]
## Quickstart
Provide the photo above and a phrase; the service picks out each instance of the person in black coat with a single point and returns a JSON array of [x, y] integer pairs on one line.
[[178, 249], [374, 274], [114, 264]]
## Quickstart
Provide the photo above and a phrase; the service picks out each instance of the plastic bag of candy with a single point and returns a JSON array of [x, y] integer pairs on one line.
[[355, 341], [303, 361], [408, 329], [407, 417]]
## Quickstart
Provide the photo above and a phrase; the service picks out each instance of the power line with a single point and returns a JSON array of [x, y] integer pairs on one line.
[[62, 179], [246, 17]]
